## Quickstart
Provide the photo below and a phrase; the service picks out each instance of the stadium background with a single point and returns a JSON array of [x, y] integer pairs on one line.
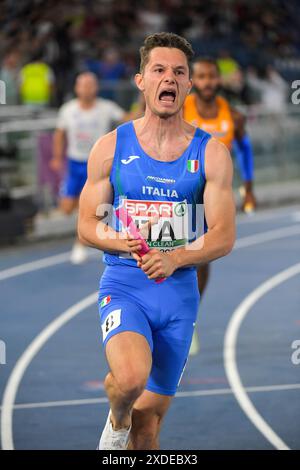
[[257, 45]]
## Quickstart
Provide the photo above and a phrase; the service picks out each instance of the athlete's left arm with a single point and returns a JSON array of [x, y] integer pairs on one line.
[[243, 149], [219, 207]]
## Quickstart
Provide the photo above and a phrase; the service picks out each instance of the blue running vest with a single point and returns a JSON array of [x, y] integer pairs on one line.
[[149, 187]]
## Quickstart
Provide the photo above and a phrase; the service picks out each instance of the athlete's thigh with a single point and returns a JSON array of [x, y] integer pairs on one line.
[[127, 335], [129, 355], [171, 342], [171, 346]]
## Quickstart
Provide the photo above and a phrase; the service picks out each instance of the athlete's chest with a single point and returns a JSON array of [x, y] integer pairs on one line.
[[166, 153], [141, 177]]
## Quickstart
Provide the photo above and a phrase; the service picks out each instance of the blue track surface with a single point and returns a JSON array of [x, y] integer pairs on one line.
[[71, 364]]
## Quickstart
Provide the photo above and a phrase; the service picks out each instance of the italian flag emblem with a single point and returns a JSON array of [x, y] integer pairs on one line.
[[105, 301], [193, 166]]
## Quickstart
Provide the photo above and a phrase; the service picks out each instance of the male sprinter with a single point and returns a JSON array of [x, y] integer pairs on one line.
[[156, 164], [211, 112], [80, 123]]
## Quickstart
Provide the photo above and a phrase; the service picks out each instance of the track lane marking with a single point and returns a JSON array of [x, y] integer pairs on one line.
[[229, 353], [183, 394]]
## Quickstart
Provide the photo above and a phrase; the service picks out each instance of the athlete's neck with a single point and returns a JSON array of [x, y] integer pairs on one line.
[[163, 138], [162, 130], [207, 109], [86, 103]]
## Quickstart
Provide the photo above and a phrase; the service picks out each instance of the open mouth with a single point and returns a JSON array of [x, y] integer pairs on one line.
[[167, 96]]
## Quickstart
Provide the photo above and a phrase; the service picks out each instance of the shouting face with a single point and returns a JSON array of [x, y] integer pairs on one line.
[[165, 81]]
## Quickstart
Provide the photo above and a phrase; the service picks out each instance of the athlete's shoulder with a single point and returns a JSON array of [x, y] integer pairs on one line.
[[217, 166], [217, 158], [203, 134], [101, 156], [217, 145], [106, 143]]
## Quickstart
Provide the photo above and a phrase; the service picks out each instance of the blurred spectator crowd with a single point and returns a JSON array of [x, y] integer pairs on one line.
[[44, 44]]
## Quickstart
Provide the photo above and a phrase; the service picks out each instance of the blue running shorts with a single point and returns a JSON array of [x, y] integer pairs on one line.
[[165, 314], [74, 180]]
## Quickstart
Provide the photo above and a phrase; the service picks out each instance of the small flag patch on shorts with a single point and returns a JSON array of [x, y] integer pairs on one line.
[[193, 166], [105, 301]]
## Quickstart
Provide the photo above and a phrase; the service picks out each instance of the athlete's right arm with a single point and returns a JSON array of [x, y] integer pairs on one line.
[[59, 140], [96, 199]]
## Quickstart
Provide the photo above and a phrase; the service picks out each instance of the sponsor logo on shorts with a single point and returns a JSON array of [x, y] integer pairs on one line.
[[111, 322], [105, 301], [129, 159]]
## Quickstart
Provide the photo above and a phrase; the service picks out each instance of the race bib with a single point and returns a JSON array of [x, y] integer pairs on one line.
[[172, 229]]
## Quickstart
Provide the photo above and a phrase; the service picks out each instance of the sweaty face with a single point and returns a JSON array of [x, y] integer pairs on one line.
[[165, 81], [206, 80], [86, 87]]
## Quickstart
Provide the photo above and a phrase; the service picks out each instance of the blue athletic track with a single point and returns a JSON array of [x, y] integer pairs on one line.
[[241, 390]]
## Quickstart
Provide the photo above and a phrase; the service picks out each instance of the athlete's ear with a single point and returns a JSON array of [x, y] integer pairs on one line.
[[139, 81], [190, 85]]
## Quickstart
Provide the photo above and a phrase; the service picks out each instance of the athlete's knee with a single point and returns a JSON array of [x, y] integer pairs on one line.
[[131, 383], [132, 386]]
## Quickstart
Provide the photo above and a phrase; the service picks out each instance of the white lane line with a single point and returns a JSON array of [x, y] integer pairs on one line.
[[64, 257], [34, 265], [230, 360], [296, 216], [267, 215], [187, 394], [40, 264], [267, 236], [23, 362]]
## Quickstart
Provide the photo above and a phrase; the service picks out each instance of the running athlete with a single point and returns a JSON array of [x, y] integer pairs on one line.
[[155, 165], [80, 123], [212, 113]]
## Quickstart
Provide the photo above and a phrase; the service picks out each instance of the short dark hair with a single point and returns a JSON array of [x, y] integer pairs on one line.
[[165, 40], [207, 60]]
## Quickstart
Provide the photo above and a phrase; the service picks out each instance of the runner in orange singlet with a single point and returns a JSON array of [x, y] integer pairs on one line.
[[211, 112]]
